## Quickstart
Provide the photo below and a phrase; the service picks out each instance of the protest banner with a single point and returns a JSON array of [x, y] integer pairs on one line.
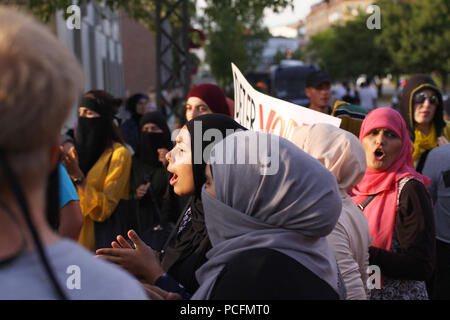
[[260, 112]]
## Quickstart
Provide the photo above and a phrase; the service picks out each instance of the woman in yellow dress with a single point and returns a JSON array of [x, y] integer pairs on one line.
[[99, 164]]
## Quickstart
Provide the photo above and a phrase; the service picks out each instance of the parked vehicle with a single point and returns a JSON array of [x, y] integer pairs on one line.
[[288, 83], [255, 78]]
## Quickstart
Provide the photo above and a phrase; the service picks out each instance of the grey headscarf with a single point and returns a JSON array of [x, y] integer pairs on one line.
[[290, 211]]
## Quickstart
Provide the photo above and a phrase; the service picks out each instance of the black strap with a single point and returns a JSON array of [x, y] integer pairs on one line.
[[421, 162], [23, 204], [363, 205]]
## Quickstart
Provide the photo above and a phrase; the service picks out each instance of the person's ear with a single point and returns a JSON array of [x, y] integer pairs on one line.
[[54, 153], [308, 92]]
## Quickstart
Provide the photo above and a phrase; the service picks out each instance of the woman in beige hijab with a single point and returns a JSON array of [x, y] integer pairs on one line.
[[341, 153]]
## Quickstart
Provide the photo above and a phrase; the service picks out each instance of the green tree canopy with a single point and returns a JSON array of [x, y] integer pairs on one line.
[[414, 37], [349, 50], [417, 35], [236, 34], [233, 28]]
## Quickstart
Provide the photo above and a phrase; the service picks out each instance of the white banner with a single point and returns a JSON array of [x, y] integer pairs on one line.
[[259, 112]]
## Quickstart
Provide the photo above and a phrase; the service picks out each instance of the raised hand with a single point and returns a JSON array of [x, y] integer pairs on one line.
[[142, 262], [142, 190]]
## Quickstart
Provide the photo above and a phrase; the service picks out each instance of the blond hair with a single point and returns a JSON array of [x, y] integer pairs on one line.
[[40, 80]]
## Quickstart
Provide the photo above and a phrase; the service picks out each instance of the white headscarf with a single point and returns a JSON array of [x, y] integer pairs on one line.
[[290, 211], [338, 150], [342, 153]]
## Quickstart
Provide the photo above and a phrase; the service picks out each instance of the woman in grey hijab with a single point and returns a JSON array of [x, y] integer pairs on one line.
[[267, 218]]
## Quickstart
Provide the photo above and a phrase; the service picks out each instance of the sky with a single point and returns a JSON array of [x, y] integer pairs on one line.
[[287, 16]]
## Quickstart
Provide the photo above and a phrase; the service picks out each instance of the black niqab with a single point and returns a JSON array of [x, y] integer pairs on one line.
[[150, 142], [91, 141]]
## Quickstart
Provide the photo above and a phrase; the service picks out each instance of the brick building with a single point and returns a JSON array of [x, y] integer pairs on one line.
[[324, 14]]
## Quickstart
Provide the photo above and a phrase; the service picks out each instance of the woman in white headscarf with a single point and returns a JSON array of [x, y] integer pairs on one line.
[[342, 153], [267, 220]]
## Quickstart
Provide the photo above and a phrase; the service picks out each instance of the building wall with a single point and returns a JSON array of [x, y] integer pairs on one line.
[[97, 45], [139, 56], [323, 15], [278, 43]]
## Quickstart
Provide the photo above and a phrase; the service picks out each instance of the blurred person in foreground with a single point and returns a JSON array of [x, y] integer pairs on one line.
[[39, 82]]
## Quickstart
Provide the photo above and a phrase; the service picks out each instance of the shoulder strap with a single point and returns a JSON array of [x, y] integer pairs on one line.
[[401, 184], [363, 205], [421, 162]]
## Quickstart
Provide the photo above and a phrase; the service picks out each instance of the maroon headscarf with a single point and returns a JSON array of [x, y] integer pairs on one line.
[[213, 96]]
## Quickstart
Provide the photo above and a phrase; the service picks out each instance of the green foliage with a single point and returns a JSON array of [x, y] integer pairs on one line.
[[230, 41], [233, 27], [235, 34], [140, 10], [281, 55], [348, 50], [417, 35], [321, 50], [414, 37], [298, 55]]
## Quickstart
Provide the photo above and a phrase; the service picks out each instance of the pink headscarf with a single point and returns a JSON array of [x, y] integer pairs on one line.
[[381, 211]]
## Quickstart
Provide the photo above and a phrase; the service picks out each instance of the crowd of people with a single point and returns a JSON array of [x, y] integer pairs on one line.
[[213, 222]]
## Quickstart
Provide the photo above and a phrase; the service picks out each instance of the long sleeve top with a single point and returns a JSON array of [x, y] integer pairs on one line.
[[107, 182], [437, 168], [267, 274], [414, 227], [350, 240]]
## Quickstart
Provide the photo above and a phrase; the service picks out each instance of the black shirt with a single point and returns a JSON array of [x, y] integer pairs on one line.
[[414, 227], [267, 274]]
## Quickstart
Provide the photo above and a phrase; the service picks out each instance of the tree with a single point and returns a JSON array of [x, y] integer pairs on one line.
[[349, 50], [234, 29], [140, 10], [230, 41], [298, 54], [235, 34], [417, 35], [320, 50], [279, 55]]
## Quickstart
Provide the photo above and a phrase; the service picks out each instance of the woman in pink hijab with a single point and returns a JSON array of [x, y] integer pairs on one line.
[[398, 208]]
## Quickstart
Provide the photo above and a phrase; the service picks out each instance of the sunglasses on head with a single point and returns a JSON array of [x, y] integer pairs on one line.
[[422, 96]]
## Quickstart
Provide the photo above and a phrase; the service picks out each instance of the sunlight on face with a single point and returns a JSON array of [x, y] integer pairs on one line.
[[196, 107], [180, 164], [87, 113], [382, 147]]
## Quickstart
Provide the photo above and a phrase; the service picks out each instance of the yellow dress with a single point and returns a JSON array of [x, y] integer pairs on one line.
[[107, 182]]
